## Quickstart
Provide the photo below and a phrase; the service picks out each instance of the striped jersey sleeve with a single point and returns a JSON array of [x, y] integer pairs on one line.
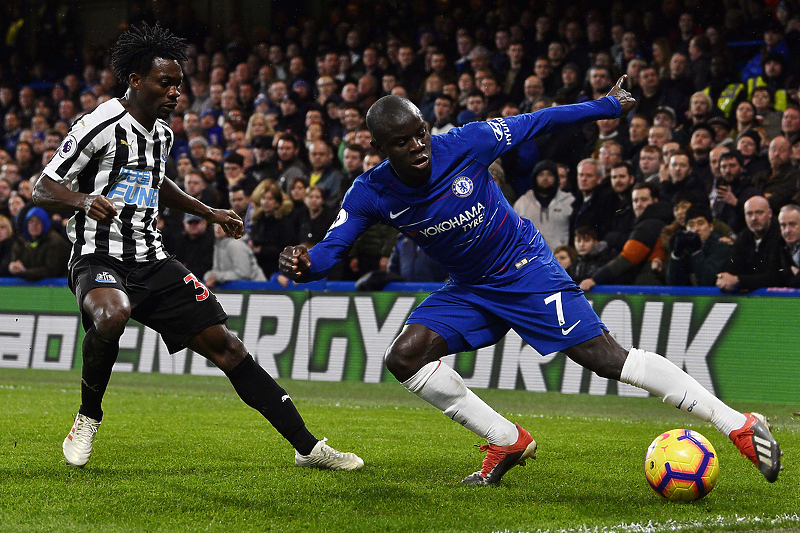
[[107, 152], [87, 137]]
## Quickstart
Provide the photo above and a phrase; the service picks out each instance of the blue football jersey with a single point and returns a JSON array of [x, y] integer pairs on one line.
[[460, 218]]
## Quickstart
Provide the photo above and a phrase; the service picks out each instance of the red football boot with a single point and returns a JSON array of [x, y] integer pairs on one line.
[[501, 459], [755, 442]]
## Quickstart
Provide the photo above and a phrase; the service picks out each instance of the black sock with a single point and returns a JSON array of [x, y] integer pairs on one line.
[[258, 390], [99, 356]]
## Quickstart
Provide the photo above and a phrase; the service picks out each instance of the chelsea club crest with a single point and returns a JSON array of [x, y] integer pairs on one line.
[[462, 186]]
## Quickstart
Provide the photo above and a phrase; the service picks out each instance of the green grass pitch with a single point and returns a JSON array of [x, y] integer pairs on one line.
[[183, 453]]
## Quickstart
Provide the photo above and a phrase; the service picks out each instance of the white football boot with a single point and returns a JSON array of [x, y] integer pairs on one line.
[[77, 446], [326, 458]]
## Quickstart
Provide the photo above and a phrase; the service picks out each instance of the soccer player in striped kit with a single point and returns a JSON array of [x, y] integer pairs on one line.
[[110, 171], [437, 190]]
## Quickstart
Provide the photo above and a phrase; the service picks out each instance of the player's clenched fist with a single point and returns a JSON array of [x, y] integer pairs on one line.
[[100, 208], [293, 261]]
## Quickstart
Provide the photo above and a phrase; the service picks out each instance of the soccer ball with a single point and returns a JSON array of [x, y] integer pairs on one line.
[[681, 465]]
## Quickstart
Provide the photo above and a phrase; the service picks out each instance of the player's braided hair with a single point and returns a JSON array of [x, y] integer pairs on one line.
[[136, 49]]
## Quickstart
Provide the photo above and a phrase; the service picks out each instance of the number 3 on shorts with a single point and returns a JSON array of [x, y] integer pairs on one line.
[[559, 308], [206, 293]]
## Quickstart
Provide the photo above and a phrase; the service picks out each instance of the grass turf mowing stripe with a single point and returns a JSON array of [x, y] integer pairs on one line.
[[183, 453]]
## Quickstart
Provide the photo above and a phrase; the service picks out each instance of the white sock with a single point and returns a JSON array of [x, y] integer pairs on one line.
[[442, 387], [659, 376]]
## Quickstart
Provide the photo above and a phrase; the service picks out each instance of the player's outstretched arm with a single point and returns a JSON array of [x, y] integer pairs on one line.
[[293, 261], [626, 100], [513, 131], [173, 197], [55, 197]]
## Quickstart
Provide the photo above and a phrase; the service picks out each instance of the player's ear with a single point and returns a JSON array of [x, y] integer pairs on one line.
[[378, 148], [134, 80]]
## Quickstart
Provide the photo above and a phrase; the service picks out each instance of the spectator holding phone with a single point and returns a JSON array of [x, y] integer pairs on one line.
[[732, 191], [698, 254]]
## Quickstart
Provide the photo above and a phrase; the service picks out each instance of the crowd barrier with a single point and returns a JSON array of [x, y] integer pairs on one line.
[[741, 347]]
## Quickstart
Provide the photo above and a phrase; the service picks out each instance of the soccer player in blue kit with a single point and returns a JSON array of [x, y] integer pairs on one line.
[[437, 190]]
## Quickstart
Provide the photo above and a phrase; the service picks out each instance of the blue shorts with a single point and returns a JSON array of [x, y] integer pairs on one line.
[[544, 306]]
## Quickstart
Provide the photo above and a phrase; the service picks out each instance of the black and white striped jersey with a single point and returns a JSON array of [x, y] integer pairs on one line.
[[108, 152]]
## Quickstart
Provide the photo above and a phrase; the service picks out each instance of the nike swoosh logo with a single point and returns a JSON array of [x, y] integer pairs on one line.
[[566, 331], [395, 215], [682, 399]]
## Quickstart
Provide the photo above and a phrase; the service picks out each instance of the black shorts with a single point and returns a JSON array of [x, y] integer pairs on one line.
[[164, 295]]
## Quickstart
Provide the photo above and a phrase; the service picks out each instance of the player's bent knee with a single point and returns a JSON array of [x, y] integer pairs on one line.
[[406, 356], [607, 369], [229, 352], [398, 356], [602, 356], [221, 347], [110, 321], [235, 349]]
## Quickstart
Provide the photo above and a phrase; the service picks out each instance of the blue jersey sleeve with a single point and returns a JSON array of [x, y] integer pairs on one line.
[[358, 212], [486, 141]]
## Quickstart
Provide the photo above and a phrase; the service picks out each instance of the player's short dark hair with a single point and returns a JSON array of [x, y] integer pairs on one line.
[[587, 232], [700, 210], [646, 185], [136, 49]]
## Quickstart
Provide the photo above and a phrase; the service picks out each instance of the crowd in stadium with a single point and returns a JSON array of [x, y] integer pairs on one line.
[[699, 185]]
